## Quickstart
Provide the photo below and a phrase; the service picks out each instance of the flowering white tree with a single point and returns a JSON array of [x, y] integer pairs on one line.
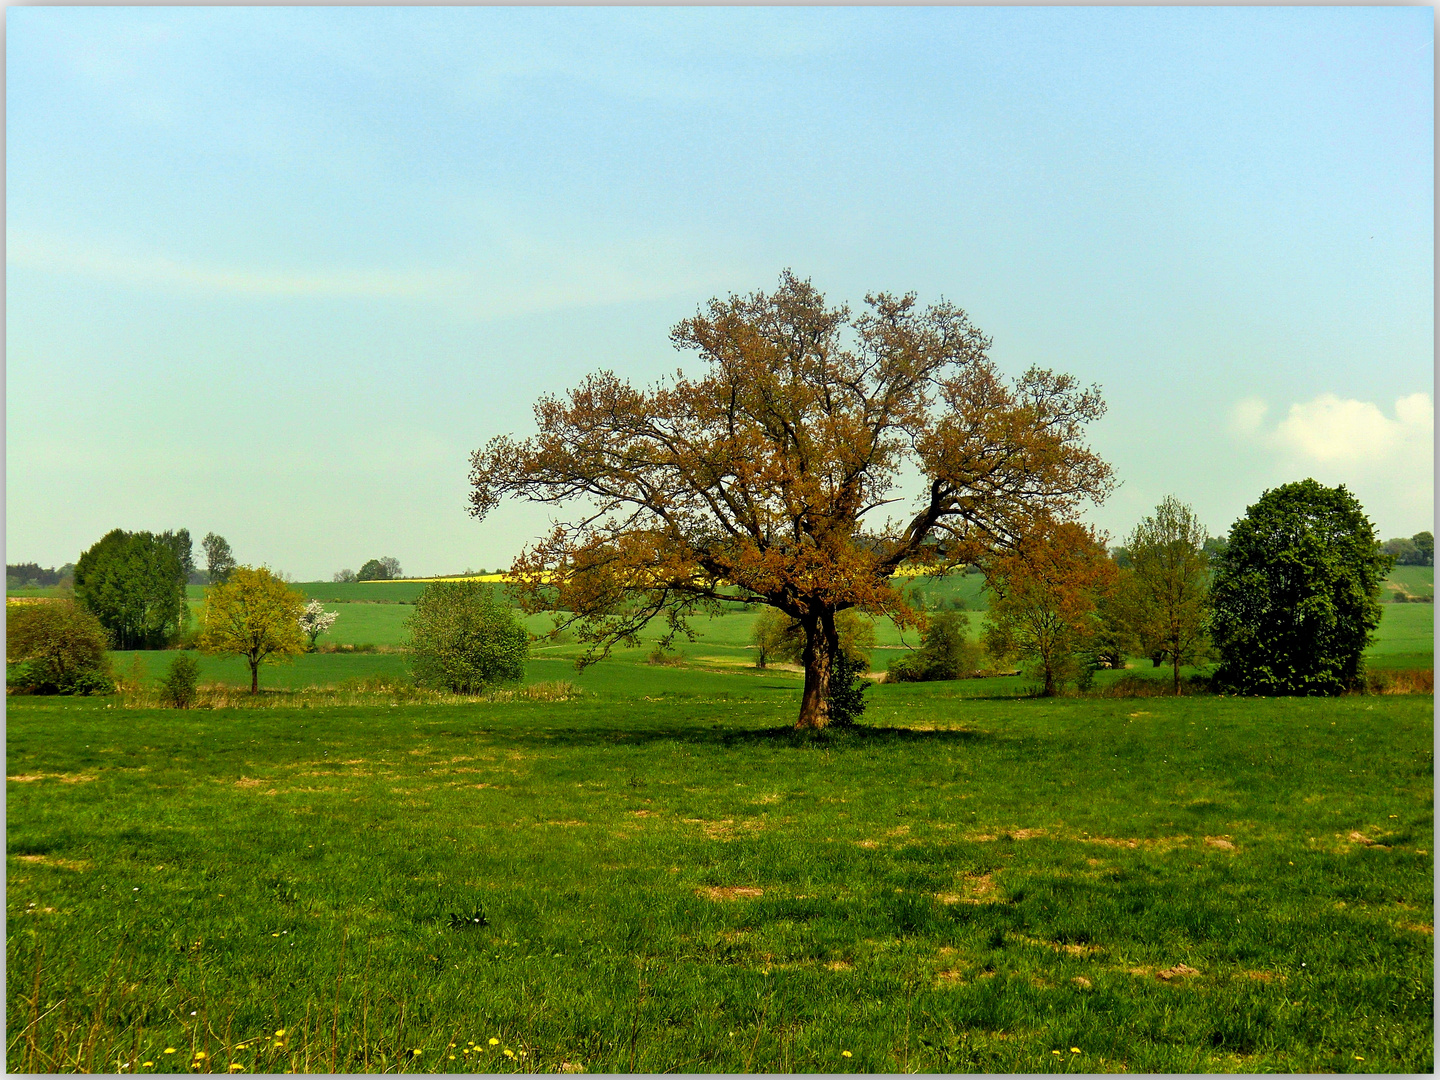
[[316, 620]]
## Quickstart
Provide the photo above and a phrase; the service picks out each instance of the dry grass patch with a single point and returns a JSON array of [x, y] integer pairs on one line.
[[1179, 971], [975, 889], [78, 865], [1223, 843], [1004, 834], [728, 892], [64, 778], [1155, 843]]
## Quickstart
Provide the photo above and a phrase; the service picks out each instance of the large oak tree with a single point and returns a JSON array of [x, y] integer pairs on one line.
[[762, 478]]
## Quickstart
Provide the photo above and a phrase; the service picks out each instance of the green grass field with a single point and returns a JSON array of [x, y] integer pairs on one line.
[[1413, 580], [672, 880]]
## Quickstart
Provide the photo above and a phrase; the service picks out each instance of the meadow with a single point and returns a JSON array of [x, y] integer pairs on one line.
[[674, 880], [660, 874]]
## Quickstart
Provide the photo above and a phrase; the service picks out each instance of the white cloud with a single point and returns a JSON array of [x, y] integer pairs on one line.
[[1388, 460], [1335, 430]]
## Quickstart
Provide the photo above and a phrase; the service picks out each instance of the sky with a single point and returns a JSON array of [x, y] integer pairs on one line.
[[275, 273]]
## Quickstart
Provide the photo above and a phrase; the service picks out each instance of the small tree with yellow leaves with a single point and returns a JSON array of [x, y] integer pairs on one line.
[[256, 615]]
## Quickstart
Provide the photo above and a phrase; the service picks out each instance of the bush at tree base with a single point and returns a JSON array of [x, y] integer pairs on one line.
[[463, 641], [847, 689], [1296, 597]]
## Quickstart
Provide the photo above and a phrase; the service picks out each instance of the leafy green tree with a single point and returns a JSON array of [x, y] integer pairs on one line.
[[1168, 586], [57, 647], [179, 542], [219, 560], [946, 652], [256, 615], [1297, 593], [463, 640], [134, 583], [1425, 546]]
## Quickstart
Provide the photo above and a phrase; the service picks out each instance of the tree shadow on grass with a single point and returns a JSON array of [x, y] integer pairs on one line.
[[858, 736]]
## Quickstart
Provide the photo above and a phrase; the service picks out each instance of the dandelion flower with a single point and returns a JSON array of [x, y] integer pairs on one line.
[[236, 1065], [1074, 1049], [510, 1053], [417, 1053], [280, 1032], [452, 1057], [846, 1053], [200, 1054], [1055, 1052], [146, 1064], [170, 1049], [1357, 1056], [494, 1042]]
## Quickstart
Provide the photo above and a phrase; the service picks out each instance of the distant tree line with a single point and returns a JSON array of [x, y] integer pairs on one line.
[[1419, 550], [32, 575], [383, 569]]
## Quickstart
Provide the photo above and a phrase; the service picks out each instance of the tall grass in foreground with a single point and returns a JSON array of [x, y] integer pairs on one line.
[[376, 690], [677, 882]]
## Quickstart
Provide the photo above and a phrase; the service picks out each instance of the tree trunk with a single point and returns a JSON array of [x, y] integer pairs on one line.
[[1176, 664], [815, 702], [254, 676]]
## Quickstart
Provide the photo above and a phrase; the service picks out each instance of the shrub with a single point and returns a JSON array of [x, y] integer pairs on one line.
[[463, 641], [56, 648], [946, 652], [179, 685]]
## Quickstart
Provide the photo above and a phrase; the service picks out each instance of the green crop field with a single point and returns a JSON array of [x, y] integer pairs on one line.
[[672, 880], [1412, 580]]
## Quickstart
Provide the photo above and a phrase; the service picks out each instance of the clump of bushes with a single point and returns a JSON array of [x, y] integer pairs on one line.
[[946, 652], [56, 647]]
